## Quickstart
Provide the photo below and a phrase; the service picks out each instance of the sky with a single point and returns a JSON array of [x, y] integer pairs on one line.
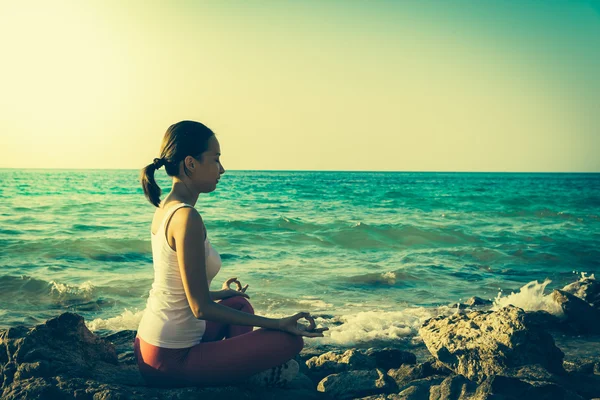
[[503, 86]]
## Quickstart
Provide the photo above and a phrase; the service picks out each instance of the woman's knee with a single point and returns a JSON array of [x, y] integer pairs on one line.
[[239, 303], [295, 343]]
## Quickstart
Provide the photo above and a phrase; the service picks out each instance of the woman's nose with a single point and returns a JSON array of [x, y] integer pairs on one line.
[[222, 169]]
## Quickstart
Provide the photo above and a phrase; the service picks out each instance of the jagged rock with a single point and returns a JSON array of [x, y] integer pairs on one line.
[[584, 385], [351, 384], [486, 343], [586, 289], [531, 373], [477, 301], [512, 388], [454, 387], [61, 387], [31, 389], [333, 363], [420, 389], [64, 342], [122, 340], [585, 317], [581, 366], [390, 358], [408, 373], [393, 396], [544, 320], [414, 393]]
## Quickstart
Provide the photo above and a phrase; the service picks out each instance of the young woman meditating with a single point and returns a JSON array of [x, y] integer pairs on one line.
[[189, 335]]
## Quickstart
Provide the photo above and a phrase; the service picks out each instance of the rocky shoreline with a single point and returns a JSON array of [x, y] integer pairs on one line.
[[474, 354]]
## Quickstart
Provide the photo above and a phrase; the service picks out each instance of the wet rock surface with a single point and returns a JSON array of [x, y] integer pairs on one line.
[[484, 343]]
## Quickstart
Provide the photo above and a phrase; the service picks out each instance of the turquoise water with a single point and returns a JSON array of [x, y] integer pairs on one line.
[[374, 253]]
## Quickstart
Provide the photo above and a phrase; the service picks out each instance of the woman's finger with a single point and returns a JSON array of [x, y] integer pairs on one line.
[[312, 325], [311, 334], [302, 314], [232, 280]]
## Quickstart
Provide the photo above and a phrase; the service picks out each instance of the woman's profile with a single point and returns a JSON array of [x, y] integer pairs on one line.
[[189, 335]]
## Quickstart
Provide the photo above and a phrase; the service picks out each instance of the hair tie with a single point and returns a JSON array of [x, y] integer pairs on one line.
[[158, 162]]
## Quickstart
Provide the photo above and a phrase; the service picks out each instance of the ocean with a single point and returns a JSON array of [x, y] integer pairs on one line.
[[372, 254]]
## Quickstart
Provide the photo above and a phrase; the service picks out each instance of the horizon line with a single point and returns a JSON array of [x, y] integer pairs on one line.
[[315, 170]]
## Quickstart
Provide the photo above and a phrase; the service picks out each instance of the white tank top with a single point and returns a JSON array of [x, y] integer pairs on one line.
[[168, 320]]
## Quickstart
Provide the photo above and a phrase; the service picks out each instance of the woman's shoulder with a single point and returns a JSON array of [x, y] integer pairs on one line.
[[187, 220]]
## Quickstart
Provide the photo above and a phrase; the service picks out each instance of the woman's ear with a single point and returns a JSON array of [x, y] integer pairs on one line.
[[189, 162]]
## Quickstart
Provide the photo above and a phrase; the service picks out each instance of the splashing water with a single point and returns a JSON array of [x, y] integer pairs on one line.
[[530, 298]]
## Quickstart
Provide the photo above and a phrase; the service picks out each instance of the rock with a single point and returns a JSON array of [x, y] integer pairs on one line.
[[581, 366], [437, 367], [512, 388], [585, 317], [29, 370], [122, 340], [587, 386], [584, 385], [63, 341], [485, 343], [531, 373], [408, 373], [8, 372], [452, 388], [351, 384], [586, 289], [477, 301], [405, 395], [544, 320], [30, 389], [333, 363], [420, 388], [414, 393], [390, 358]]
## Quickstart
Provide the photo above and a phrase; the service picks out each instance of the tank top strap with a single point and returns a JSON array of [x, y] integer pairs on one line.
[[169, 213]]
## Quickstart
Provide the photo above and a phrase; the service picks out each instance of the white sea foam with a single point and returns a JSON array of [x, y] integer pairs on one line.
[[530, 298], [389, 276], [315, 304], [366, 326], [84, 289], [127, 320]]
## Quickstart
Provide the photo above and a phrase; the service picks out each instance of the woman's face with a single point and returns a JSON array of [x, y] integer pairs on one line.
[[208, 170]]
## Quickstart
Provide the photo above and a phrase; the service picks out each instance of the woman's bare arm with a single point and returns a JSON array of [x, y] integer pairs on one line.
[[187, 226]]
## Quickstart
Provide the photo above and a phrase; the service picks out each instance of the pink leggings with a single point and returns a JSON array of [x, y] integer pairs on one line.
[[215, 362]]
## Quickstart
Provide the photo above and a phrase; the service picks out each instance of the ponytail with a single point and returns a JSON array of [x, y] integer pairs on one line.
[[151, 188], [185, 138]]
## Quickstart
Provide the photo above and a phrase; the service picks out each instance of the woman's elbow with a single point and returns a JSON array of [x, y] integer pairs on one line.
[[202, 311]]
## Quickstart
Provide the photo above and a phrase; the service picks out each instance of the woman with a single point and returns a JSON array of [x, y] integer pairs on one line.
[[180, 337]]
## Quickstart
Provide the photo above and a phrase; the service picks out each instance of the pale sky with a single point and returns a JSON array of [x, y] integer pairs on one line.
[[304, 85]]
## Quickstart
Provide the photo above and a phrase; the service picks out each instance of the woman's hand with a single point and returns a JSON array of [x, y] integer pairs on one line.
[[227, 293], [228, 282], [291, 325]]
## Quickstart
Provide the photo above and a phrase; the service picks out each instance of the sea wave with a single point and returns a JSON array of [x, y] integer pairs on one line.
[[127, 320], [102, 249]]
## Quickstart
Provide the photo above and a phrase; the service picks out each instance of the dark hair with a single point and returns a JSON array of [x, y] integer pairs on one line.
[[185, 138]]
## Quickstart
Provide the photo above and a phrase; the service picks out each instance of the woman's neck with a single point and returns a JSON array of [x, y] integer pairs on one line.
[[183, 193]]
